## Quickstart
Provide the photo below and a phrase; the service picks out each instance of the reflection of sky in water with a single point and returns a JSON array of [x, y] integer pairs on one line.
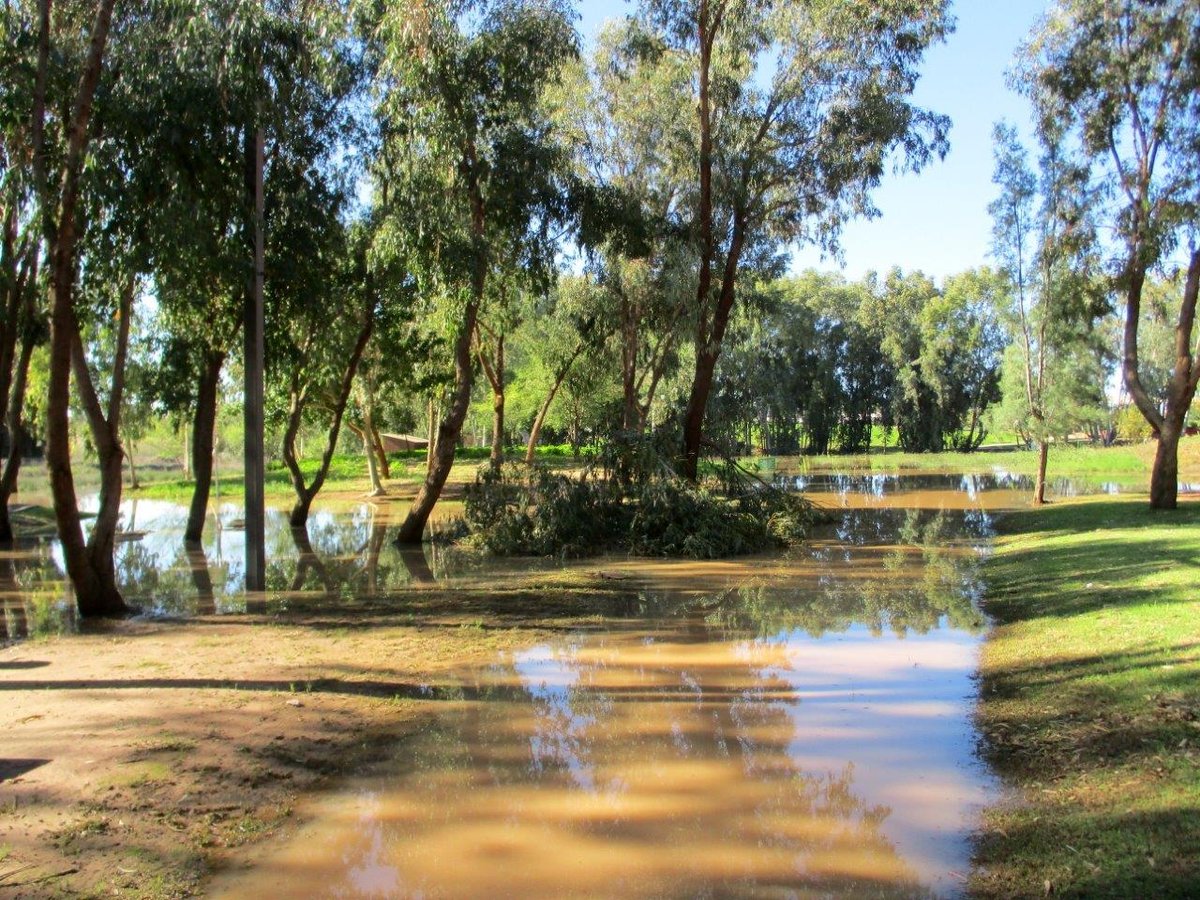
[[900, 709], [806, 732], [549, 683]]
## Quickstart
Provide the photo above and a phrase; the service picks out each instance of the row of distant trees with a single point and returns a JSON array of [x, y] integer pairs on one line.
[[432, 167]]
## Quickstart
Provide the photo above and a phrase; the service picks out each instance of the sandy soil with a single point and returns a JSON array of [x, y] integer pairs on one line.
[[138, 759]]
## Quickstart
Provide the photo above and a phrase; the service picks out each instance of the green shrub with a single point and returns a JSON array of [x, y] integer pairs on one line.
[[1132, 425], [647, 511]]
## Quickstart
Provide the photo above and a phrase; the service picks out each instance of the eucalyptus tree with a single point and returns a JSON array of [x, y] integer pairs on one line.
[[1043, 244], [192, 180], [1121, 80], [564, 327], [510, 290], [800, 108], [962, 346], [58, 180], [22, 327], [464, 128], [895, 307], [627, 113], [236, 66], [316, 356]]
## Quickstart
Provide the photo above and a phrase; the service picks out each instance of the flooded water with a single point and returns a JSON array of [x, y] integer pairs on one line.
[[792, 725]]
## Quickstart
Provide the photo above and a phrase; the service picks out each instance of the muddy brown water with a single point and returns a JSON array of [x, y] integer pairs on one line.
[[787, 725]]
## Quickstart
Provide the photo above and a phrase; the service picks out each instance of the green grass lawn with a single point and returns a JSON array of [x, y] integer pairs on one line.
[[345, 471], [1091, 702]]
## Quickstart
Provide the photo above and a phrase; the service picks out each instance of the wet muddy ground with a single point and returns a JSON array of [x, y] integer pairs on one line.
[[383, 723]]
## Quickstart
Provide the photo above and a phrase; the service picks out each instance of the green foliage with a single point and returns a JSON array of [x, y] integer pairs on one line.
[[817, 362], [629, 501], [1131, 425], [534, 512], [1054, 368]]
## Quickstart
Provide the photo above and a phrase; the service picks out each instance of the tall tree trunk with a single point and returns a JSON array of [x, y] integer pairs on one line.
[[693, 417], [254, 364], [693, 421], [493, 369], [1185, 376], [187, 453], [377, 488], [1164, 477], [441, 457], [14, 269], [1181, 389], [16, 435], [204, 431], [385, 465], [105, 427], [708, 351], [497, 457], [435, 422], [630, 331], [1039, 487], [95, 587], [130, 450]]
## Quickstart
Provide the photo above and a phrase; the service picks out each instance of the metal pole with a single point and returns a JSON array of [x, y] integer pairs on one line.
[[256, 565]]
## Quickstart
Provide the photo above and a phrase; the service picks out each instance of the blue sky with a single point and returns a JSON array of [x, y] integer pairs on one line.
[[936, 221]]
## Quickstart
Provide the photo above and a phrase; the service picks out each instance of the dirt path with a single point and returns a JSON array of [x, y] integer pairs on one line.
[[137, 760]]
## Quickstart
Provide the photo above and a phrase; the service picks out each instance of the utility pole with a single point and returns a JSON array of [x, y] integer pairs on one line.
[[256, 516]]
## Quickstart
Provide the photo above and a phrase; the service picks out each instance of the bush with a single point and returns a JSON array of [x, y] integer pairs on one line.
[[1132, 425], [532, 511]]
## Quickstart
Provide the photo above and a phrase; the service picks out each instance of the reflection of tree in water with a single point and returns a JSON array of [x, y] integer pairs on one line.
[[926, 576], [343, 559], [185, 586], [616, 730], [35, 596]]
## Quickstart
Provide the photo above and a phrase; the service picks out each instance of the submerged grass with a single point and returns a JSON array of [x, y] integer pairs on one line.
[[1091, 702], [1063, 462]]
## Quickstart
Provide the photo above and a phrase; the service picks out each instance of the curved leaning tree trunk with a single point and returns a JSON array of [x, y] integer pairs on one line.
[[307, 492], [371, 452], [441, 455], [92, 577], [1181, 389], [385, 465], [536, 431], [204, 431]]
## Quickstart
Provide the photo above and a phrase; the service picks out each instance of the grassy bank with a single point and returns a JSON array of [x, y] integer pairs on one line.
[[1091, 703]]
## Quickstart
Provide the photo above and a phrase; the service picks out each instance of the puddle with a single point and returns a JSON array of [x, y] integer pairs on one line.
[[792, 725], [348, 558], [668, 764]]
